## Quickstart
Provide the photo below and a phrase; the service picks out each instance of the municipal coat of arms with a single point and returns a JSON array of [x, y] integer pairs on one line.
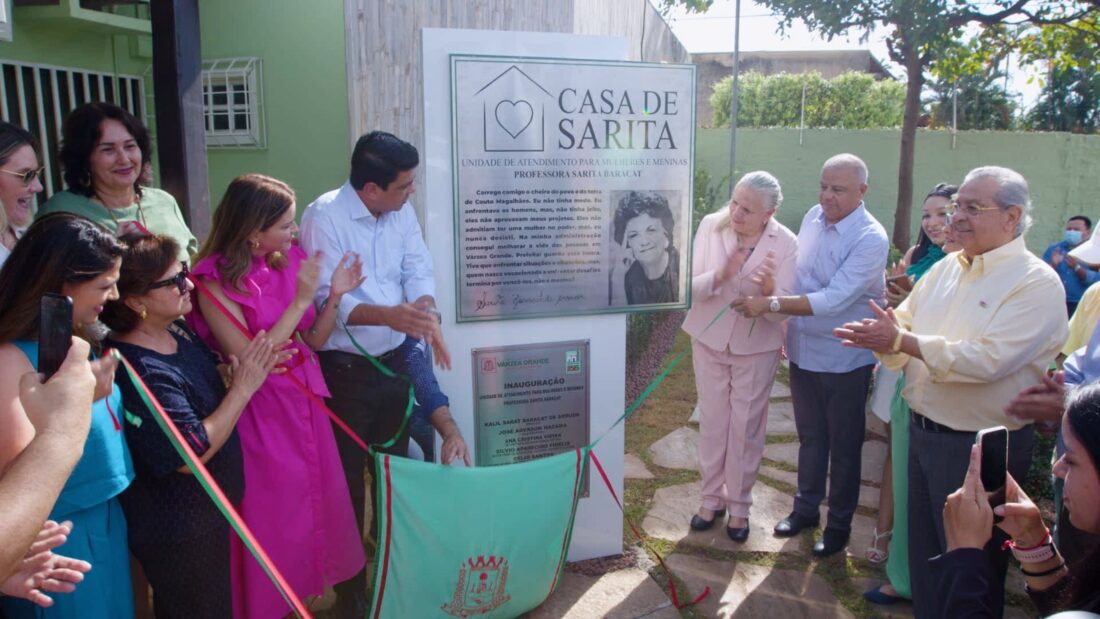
[[480, 587]]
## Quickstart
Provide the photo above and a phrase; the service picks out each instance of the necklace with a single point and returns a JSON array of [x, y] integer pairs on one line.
[[111, 212]]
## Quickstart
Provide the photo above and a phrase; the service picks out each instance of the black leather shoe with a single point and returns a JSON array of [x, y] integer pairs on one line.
[[699, 524], [738, 534], [792, 525], [832, 542]]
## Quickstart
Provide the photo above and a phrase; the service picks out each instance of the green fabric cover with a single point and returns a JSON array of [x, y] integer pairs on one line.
[[461, 542]]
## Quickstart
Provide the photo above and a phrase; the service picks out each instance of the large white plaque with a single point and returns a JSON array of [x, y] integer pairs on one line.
[[597, 530], [572, 185]]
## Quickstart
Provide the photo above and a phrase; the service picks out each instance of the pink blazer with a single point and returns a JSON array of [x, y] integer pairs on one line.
[[712, 248]]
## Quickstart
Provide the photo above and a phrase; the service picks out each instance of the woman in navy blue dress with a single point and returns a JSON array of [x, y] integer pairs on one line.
[[176, 532]]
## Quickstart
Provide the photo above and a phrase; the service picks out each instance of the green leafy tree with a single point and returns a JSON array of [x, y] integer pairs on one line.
[[852, 100], [1070, 101], [982, 102], [921, 33]]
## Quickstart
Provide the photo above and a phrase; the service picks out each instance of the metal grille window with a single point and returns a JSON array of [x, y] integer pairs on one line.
[[39, 97], [233, 103]]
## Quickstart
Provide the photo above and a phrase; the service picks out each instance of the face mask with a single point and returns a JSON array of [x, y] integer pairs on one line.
[[1073, 237]]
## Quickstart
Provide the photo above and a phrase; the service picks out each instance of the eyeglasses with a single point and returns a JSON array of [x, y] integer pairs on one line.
[[179, 279], [28, 176], [953, 208]]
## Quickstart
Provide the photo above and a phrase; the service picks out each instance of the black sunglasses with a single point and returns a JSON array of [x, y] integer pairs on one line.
[[179, 279], [28, 176]]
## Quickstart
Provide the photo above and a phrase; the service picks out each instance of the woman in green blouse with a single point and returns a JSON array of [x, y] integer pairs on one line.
[[105, 155]]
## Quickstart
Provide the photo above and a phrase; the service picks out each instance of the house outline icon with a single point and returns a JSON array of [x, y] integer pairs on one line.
[[510, 121]]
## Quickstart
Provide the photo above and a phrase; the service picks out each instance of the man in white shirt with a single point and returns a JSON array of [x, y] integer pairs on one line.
[[391, 316]]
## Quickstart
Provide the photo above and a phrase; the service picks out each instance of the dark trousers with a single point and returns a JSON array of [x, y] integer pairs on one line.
[[937, 467], [373, 405], [830, 416], [190, 578]]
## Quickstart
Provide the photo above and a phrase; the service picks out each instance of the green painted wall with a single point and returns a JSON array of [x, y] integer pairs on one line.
[[66, 43], [1063, 170], [304, 87]]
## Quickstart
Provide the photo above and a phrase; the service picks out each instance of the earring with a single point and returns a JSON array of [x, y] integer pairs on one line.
[[144, 313], [254, 244]]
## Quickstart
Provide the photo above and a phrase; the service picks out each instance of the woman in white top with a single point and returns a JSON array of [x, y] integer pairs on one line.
[[20, 179]]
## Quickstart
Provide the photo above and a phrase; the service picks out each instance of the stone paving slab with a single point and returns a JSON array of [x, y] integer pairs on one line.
[[873, 457], [622, 594], [751, 591], [904, 610], [634, 468], [868, 495], [781, 418], [678, 449], [673, 507], [780, 390]]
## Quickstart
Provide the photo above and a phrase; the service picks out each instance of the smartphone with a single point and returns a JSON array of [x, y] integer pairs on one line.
[[55, 332], [901, 282], [994, 442]]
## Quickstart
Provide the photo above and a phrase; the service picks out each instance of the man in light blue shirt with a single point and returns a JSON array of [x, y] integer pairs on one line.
[[842, 252], [1075, 274], [391, 315]]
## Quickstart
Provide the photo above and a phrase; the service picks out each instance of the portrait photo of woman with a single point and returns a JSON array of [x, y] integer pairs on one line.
[[645, 265]]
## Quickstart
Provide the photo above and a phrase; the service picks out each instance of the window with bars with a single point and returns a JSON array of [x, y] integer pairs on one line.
[[39, 97], [233, 110]]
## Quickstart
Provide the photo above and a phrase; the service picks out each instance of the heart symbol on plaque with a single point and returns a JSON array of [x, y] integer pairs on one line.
[[514, 116]]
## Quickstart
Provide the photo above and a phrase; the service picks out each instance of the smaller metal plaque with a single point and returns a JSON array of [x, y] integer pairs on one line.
[[530, 401]]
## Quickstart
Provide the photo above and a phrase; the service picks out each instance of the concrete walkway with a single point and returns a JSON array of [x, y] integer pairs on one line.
[[764, 577]]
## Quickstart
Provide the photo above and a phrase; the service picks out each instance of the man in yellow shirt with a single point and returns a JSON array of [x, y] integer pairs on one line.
[[983, 324]]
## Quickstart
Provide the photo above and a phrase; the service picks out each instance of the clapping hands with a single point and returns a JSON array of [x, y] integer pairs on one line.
[[348, 275], [765, 275], [875, 334], [309, 277]]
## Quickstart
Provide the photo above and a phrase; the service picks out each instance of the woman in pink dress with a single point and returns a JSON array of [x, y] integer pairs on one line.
[[251, 273]]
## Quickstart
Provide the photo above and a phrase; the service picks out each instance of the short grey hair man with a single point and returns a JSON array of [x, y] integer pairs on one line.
[[849, 160], [1012, 191]]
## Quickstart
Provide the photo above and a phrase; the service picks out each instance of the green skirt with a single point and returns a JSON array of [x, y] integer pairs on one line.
[[897, 563]]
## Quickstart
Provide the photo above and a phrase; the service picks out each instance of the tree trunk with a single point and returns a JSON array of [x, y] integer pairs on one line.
[[913, 86]]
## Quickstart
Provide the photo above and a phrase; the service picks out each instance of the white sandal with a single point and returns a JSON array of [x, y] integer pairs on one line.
[[874, 553]]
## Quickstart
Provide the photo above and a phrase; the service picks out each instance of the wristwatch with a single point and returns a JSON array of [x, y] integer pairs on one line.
[[773, 305], [435, 312]]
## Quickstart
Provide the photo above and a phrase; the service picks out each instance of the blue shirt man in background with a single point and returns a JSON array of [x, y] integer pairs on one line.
[[1076, 276], [842, 252]]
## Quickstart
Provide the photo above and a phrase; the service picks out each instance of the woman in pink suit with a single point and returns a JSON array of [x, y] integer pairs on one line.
[[739, 251], [295, 498]]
